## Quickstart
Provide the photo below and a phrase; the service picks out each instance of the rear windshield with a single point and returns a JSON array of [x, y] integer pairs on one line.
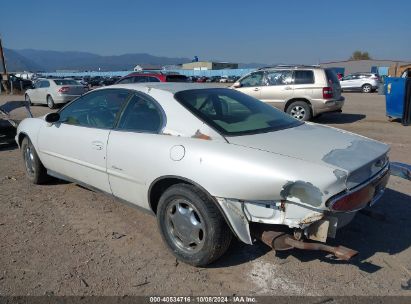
[[331, 76], [234, 113], [176, 78], [65, 82]]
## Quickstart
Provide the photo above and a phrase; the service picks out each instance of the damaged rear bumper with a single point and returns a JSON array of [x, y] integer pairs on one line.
[[316, 224]]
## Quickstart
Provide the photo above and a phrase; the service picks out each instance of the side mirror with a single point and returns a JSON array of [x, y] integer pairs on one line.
[[236, 85], [52, 117]]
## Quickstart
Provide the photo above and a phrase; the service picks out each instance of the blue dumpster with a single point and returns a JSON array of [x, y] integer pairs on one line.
[[398, 98]]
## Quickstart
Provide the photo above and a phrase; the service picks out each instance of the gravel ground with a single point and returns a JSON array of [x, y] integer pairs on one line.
[[61, 239]]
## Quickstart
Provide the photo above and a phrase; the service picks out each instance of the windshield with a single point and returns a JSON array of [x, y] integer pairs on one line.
[[234, 113], [65, 82]]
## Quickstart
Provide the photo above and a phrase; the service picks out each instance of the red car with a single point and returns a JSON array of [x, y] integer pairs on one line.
[[152, 77]]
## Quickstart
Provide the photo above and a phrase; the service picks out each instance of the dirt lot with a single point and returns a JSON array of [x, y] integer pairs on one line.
[[62, 239]]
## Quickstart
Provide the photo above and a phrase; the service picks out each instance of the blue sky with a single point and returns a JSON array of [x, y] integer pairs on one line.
[[238, 31]]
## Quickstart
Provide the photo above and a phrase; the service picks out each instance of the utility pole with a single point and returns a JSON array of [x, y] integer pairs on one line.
[[3, 62]]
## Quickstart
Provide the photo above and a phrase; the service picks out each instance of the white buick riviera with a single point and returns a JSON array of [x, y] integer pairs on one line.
[[210, 163]]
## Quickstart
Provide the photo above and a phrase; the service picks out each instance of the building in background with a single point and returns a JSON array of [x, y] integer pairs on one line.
[[209, 65], [367, 66], [146, 67]]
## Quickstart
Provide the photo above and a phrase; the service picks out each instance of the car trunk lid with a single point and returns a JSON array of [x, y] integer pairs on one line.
[[354, 156], [71, 89]]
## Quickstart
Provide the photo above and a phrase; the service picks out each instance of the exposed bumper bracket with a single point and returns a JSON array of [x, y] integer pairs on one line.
[[280, 241]]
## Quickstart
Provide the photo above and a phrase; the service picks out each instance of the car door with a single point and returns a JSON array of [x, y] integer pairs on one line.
[[132, 146], [43, 90], [76, 146], [252, 84], [34, 93], [348, 81], [279, 87]]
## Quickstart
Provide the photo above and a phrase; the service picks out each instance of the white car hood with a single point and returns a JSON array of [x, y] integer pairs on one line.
[[355, 156]]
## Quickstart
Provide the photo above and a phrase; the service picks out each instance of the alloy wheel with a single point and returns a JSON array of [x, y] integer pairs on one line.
[[29, 160], [298, 112], [185, 226]]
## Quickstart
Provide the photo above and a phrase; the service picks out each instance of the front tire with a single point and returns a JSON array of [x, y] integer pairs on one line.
[[192, 226], [366, 88], [299, 110], [50, 102], [35, 170]]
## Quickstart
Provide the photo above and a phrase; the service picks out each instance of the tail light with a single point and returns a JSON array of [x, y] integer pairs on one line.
[[357, 200], [354, 201], [64, 90], [328, 93]]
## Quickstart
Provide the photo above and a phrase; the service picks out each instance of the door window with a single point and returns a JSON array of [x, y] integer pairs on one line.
[[253, 80], [126, 80], [97, 109], [142, 114], [282, 77], [44, 84], [140, 79]]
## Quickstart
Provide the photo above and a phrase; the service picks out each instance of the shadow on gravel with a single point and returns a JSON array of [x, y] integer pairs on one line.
[[388, 232], [240, 253], [8, 146], [338, 118]]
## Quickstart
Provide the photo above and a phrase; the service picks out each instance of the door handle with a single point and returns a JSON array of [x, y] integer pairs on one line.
[[97, 145], [287, 88], [256, 89]]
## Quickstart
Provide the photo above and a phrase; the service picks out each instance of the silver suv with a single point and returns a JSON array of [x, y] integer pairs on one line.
[[301, 91], [364, 82]]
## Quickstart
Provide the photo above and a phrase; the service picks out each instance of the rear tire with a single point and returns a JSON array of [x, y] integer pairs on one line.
[[50, 102], [35, 171], [299, 110], [366, 88], [192, 226]]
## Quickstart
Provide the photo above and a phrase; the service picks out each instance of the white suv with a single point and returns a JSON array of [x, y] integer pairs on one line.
[[301, 91], [364, 82]]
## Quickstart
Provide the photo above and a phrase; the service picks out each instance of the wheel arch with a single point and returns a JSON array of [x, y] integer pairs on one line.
[[290, 101], [161, 184], [21, 136]]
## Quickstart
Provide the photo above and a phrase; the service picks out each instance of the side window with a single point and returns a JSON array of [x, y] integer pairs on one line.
[[44, 84], [140, 79], [281, 77], [303, 77], [37, 84], [98, 109], [142, 115], [253, 80], [153, 79], [126, 80]]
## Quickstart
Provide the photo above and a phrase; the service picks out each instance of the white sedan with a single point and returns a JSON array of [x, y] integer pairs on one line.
[[54, 91], [211, 163]]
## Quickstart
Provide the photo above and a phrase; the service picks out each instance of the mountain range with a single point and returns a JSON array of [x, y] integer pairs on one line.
[[50, 61]]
